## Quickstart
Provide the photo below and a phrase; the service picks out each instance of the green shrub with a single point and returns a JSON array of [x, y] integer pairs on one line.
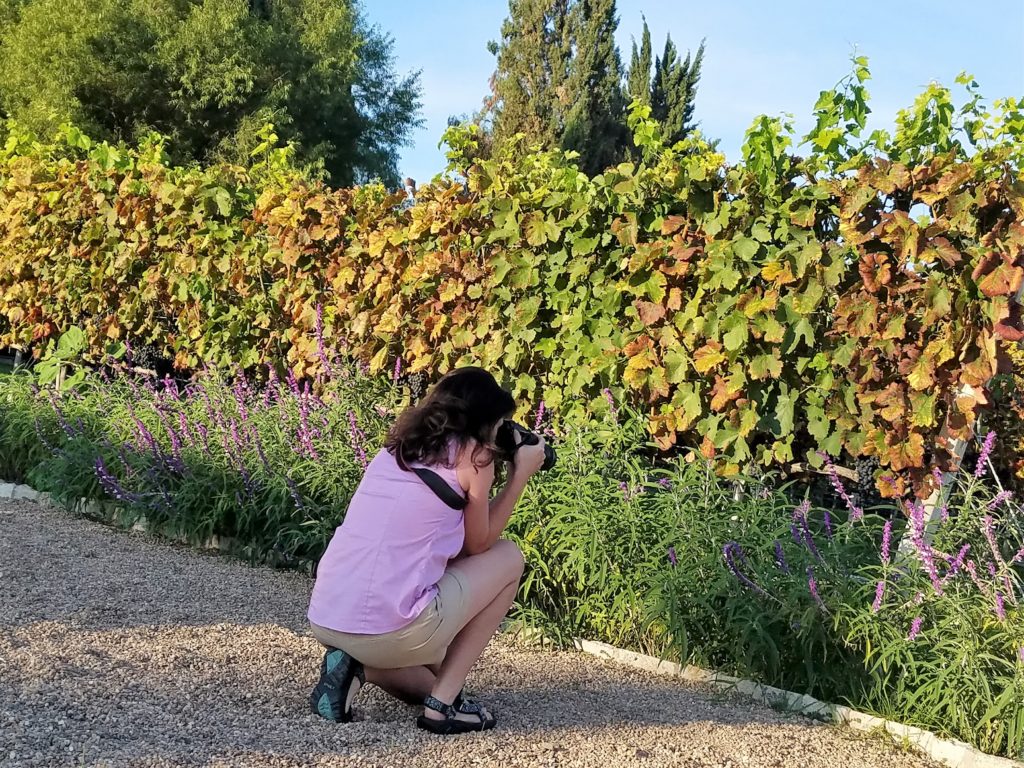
[[758, 311]]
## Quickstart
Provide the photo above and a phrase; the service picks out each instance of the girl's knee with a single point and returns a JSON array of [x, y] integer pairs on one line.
[[512, 556]]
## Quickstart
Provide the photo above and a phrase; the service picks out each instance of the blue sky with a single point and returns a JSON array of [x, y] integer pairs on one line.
[[761, 56]]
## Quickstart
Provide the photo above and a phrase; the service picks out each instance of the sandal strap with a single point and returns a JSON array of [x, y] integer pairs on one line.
[[439, 706], [467, 706]]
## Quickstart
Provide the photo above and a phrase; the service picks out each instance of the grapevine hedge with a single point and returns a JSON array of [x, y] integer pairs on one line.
[[759, 311]]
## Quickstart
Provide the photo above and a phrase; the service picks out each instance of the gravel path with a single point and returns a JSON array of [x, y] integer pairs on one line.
[[118, 650]]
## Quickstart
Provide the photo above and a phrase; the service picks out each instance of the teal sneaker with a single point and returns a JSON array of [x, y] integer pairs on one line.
[[341, 677]]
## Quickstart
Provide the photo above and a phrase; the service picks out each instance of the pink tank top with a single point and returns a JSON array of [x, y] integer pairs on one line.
[[382, 566]]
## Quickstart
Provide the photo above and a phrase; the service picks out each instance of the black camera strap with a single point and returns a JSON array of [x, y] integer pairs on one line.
[[444, 492]]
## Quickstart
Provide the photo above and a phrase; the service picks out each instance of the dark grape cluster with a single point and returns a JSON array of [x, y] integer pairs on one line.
[[148, 356], [417, 384], [865, 491]]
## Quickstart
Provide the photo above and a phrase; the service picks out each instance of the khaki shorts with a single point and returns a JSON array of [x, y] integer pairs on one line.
[[424, 641]]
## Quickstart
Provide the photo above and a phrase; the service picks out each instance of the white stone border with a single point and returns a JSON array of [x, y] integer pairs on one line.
[[955, 754], [951, 752]]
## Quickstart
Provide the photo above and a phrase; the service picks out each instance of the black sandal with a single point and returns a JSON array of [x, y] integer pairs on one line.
[[451, 725], [341, 677]]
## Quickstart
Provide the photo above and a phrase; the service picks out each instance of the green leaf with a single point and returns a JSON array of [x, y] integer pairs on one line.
[[765, 366], [690, 401], [818, 423], [785, 408], [736, 331], [922, 408], [761, 233], [744, 248], [677, 362]]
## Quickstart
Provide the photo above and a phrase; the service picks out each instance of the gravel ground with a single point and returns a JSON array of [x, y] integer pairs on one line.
[[119, 650]]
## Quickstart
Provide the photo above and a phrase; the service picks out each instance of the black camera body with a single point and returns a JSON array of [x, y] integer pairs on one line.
[[508, 445]]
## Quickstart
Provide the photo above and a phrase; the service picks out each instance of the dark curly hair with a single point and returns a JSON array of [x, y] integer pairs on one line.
[[466, 403]]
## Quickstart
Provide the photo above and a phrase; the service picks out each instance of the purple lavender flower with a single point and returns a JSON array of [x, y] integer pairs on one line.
[[204, 433], [780, 557], [915, 628], [1000, 607], [988, 528], [273, 388], [213, 414], [665, 483], [801, 531], [540, 416], [886, 542], [955, 564], [255, 438], [856, 513], [972, 571], [293, 383], [809, 542], [734, 558], [828, 524], [1020, 652], [812, 585], [611, 401], [1017, 557], [240, 398], [672, 556], [321, 350], [171, 386], [797, 533], [358, 440], [175, 443], [800, 513], [398, 369], [110, 483], [986, 450], [879, 595], [293, 489], [924, 549], [1000, 498], [937, 476], [183, 429]]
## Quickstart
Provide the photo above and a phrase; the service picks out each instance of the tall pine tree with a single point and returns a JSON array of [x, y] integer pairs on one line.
[[674, 91], [638, 79], [594, 125], [530, 85]]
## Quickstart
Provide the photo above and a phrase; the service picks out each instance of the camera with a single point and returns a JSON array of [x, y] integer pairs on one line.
[[507, 443]]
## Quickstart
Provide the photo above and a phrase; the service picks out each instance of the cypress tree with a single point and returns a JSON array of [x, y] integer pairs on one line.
[[530, 85], [674, 90], [595, 122], [638, 80]]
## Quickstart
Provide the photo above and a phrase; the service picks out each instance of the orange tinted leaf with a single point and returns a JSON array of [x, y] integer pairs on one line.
[[650, 312], [672, 224], [1004, 280]]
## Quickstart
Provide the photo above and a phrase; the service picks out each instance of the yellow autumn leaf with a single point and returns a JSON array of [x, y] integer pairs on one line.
[[777, 272], [707, 357]]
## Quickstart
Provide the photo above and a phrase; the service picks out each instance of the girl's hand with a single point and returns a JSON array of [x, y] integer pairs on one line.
[[529, 459]]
